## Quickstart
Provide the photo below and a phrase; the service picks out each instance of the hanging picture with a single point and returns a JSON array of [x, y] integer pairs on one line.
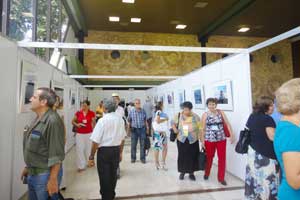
[[28, 84], [198, 97], [71, 98], [222, 91], [170, 98], [59, 91], [161, 98], [181, 96]]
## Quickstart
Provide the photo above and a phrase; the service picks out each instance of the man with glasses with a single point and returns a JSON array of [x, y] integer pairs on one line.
[[138, 125]]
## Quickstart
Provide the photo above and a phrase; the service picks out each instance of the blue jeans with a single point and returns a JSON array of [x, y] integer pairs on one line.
[[138, 134], [37, 186]]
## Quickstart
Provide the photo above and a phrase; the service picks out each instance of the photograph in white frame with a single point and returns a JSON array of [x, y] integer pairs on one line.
[[181, 97], [170, 99], [28, 84], [198, 97], [222, 91], [59, 91]]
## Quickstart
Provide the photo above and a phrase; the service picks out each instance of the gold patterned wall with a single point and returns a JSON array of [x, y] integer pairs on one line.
[[266, 76], [138, 62]]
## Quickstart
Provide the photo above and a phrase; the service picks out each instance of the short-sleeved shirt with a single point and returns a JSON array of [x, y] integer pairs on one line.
[[109, 130], [214, 129], [137, 118], [188, 127], [287, 139], [257, 124], [44, 141], [86, 120]]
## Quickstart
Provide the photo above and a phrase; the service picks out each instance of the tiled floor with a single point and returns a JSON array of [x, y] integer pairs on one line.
[[143, 181]]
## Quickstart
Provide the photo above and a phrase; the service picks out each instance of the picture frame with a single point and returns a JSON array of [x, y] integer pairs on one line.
[[59, 91], [222, 91], [198, 97], [181, 97], [28, 84], [170, 99]]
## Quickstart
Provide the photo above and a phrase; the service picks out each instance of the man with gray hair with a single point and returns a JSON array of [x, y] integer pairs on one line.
[[43, 147], [108, 135]]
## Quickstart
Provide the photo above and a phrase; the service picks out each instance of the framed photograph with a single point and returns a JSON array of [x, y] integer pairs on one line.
[[59, 91], [222, 91], [198, 97], [170, 98], [161, 98], [72, 100], [181, 97], [28, 84]]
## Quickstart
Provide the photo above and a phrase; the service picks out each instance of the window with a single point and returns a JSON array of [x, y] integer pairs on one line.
[[20, 20]]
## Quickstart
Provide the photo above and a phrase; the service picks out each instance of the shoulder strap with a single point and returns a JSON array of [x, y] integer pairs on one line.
[[178, 119]]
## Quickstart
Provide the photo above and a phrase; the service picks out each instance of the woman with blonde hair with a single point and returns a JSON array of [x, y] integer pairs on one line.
[[287, 139]]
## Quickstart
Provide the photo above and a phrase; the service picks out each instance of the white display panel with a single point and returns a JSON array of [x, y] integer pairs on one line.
[[236, 70]]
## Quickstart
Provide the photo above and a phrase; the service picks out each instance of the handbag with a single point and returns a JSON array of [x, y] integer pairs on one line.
[[147, 145], [202, 159], [244, 141], [225, 126], [74, 129], [173, 135]]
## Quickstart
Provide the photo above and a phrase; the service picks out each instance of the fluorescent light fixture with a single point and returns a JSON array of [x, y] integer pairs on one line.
[[200, 4], [114, 19], [136, 20], [128, 1], [243, 29], [181, 26]]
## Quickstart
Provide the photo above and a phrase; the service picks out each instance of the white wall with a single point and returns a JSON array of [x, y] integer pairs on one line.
[[12, 121], [235, 68], [96, 95]]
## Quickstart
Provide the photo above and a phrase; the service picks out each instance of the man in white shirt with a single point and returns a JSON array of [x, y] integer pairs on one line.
[[108, 135]]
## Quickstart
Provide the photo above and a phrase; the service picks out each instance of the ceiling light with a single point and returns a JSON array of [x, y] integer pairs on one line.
[[136, 20], [200, 4], [114, 19], [128, 1], [181, 26], [243, 29]]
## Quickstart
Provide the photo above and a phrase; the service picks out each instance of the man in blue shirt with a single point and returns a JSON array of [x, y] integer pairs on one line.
[[137, 121]]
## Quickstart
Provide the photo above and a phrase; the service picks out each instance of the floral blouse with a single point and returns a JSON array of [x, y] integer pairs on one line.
[[188, 127]]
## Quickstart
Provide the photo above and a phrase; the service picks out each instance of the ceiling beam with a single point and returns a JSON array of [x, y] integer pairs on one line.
[[123, 77], [236, 9], [60, 45]]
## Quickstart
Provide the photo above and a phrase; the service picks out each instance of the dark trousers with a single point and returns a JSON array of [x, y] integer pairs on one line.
[[138, 134], [107, 163]]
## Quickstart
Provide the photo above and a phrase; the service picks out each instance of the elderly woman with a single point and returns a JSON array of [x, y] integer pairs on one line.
[[187, 126], [262, 174], [287, 139], [160, 135], [214, 136], [84, 120], [107, 138]]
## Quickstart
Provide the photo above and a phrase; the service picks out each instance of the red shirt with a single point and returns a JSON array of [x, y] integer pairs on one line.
[[86, 120]]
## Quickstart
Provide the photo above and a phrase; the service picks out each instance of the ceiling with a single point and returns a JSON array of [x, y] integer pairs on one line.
[[266, 18]]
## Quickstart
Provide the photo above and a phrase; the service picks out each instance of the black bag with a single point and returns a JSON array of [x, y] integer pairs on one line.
[[147, 145], [74, 129], [202, 159], [173, 135], [244, 141]]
